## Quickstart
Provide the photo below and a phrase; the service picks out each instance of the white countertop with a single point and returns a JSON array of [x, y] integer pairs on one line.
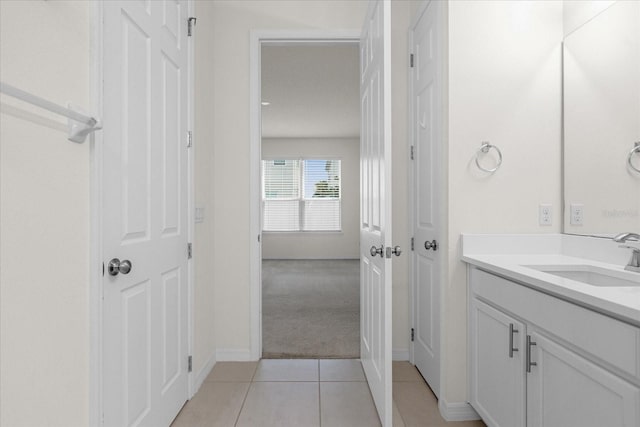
[[620, 302]]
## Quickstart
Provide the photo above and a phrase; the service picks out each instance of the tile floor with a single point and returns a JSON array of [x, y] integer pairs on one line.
[[305, 393]]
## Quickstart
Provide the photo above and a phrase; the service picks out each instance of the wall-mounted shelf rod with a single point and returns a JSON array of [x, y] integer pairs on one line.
[[80, 125]]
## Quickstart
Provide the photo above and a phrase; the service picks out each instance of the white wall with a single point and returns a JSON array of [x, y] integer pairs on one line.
[[504, 86], [577, 12], [203, 242], [400, 21], [317, 245], [44, 218]]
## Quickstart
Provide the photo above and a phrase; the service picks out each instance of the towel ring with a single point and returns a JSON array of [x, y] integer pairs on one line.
[[484, 149], [634, 150]]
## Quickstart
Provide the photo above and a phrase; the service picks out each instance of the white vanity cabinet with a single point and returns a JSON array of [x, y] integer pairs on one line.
[[497, 366], [568, 365], [565, 389]]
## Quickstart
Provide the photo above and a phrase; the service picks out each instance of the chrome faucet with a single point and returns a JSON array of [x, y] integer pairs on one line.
[[623, 237], [634, 262]]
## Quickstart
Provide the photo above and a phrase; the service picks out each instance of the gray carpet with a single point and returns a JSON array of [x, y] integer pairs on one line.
[[310, 309]]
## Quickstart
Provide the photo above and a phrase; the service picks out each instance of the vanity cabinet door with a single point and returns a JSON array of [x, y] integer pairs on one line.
[[497, 366], [567, 390]]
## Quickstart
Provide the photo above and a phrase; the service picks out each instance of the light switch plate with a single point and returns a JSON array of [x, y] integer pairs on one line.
[[199, 215]]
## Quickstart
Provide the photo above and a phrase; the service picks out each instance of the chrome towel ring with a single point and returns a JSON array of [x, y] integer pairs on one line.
[[484, 149], [634, 150]]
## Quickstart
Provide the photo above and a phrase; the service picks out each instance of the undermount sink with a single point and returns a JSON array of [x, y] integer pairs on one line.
[[591, 275]]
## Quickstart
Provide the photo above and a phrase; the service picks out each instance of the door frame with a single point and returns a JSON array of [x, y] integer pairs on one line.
[[95, 306], [257, 38]]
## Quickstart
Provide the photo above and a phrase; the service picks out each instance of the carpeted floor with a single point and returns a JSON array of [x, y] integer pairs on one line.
[[310, 309]]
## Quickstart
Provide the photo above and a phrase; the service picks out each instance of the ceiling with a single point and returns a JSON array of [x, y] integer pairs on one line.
[[313, 90]]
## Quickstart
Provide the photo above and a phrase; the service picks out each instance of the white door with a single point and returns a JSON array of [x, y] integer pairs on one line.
[[567, 390], [144, 207], [427, 158], [497, 366], [375, 210]]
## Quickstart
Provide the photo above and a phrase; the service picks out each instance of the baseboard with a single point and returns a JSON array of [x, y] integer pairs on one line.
[[233, 355], [400, 354], [457, 411], [203, 373]]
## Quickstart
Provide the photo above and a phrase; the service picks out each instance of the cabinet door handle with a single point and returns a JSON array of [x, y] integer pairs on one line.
[[512, 330], [529, 362]]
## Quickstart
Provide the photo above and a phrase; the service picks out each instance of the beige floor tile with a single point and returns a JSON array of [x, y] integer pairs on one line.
[[397, 418], [215, 404], [341, 370], [347, 404], [417, 404], [232, 371], [287, 370], [405, 371], [477, 423], [281, 404]]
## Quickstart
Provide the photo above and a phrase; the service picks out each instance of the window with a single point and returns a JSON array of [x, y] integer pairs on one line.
[[301, 195]]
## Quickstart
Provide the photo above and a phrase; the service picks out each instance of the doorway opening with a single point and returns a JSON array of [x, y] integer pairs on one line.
[[309, 199], [375, 237]]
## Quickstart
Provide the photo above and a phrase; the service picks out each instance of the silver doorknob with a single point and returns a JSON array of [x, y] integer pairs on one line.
[[116, 267], [431, 245], [376, 251]]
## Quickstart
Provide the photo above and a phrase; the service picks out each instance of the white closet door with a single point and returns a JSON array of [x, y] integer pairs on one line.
[[144, 205], [427, 198]]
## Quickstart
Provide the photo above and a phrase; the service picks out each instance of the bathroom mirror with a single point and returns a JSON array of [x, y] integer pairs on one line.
[[601, 97]]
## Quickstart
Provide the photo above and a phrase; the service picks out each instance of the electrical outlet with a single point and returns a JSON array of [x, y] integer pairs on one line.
[[544, 214], [577, 214]]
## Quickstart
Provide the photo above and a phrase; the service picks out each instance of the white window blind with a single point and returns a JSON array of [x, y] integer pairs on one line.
[[301, 195]]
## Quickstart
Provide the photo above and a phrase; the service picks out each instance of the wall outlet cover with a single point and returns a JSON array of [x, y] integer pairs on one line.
[[545, 214], [577, 214]]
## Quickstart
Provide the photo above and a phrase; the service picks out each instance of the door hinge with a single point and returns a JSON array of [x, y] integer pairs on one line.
[[412, 152], [191, 22], [413, 335], [189, 139], [411, 60], [190, 364], [189, 250], [412, 242]]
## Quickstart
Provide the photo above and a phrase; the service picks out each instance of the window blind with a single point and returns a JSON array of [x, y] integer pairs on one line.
[[301, 195]]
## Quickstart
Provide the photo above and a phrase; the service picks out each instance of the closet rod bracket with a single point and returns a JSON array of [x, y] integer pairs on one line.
[[78, 131]]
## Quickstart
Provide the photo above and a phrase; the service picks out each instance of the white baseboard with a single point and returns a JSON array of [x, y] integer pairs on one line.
[[400, 354], [457, 411], [233, 355], [203, 373]]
